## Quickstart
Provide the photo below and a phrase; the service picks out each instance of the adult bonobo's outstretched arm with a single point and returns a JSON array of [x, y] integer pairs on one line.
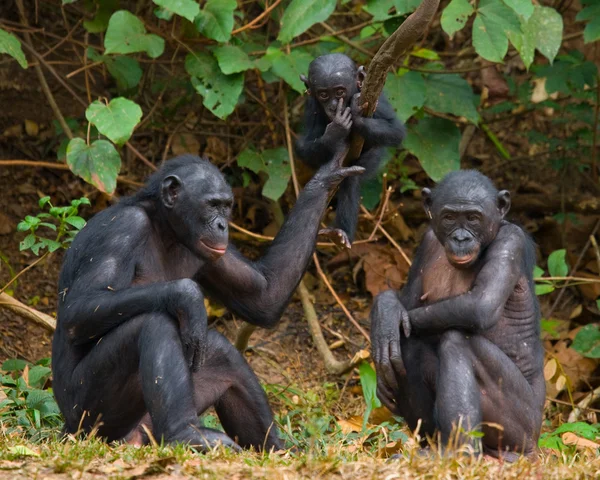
[[260, 290]]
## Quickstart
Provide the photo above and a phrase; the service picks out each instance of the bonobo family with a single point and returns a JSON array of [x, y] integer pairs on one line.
[[456, 350]]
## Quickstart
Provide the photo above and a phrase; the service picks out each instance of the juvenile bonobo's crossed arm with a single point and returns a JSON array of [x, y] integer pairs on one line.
[[101, 296], [259, 291], [383, 129], [482, 306]]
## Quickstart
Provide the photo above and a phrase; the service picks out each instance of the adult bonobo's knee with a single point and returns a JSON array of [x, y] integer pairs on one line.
[[470, 319], [132, 335]]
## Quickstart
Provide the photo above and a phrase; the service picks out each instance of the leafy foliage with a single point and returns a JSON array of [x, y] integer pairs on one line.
[[215, 20], [273, 162], [116, 120], [97, 163], [10, 45], [587, 341], [126, 34], [300, 15]]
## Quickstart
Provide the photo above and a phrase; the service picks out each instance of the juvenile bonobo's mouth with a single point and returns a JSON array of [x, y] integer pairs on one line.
[[213, 250]]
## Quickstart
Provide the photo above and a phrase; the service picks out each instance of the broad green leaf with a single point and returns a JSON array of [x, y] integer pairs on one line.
[[104, 10], [379, 9], [250, 159], [587, 341], [215, 20], [451, 94], [277, 166], [368, 381], [406, 6], [590, 12], [582, 429], [426, 54], [290, 67], [406, 93], [543, 288], [455, 16], [38, 376], [300, 15], [76, 222], [492, 24], [14, 365], [524, 42], [523, 8], [126, 34], [10, 45], [115, 120], [435, 141], [27, 242], [546, 28], [98, 163], [220, 92], [568, 74], [125, 70], [163, 14], [557, 265], [184, 8], [232, 59]]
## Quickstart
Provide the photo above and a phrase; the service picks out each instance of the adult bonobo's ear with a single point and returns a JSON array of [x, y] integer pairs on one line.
[[426, 195], [169, 190], [503, 202], [306, 82], [361, 74]]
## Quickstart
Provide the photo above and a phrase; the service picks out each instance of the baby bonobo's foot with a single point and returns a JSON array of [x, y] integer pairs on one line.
[[337, 236], [204, 439]]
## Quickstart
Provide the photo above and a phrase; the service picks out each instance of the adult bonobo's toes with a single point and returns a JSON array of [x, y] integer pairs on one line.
[[204, 439], [337, 236]]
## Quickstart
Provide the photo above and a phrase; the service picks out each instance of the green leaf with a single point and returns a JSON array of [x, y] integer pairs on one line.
[[76, 222], [587, 341], [43, 201], [27, 242], [215, 20], [455, 16], [125, 70], [10, 45], [98, 163], [115, 120], [546, 29], [557, 265], [379, 9], [38, 376], [406, 6], [184, 8], [277, 166], [406, 93], [451, 94], [435, 141], [568, 74], [590, 12], [523, 8], [368, 381], [300, 15], [22, 451], [543, 288], [220, 92], [290, 67], [232, 59], [126, 34], [581, 429], [492, 24], [252, 160], [99, 23], [14, 365]]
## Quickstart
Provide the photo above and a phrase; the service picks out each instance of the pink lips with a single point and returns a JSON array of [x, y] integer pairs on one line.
[[218, 250]]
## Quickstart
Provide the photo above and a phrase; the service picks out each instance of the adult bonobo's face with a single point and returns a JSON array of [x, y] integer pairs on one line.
[[465, 218], [332, 79], [198, 204]]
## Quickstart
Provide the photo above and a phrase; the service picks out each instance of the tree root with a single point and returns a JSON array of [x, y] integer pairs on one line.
[[12, 304]]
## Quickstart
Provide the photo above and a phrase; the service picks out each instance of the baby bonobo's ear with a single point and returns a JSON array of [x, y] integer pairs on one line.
[[503, 201], [426, 195], [361, 74], [305, 81]]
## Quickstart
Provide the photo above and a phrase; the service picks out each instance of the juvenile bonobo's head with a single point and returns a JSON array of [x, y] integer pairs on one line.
[[331, 79], [195, 200], [466, 211]]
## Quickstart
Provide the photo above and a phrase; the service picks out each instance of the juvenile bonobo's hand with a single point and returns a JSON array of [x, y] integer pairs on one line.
[[387, 315], [340, 125], [357, 109]]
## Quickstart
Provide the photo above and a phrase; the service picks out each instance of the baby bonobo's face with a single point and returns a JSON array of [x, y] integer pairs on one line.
[[330, 88]]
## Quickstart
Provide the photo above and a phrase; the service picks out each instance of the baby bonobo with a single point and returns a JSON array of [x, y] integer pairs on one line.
[[459, 346], [332, 109]]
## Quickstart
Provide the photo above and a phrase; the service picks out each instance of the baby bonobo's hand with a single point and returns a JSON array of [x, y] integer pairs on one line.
[[339, 128], [357, 109]]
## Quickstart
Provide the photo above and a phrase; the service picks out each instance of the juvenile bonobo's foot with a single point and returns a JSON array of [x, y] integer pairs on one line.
[[337, 236], [203, 439]]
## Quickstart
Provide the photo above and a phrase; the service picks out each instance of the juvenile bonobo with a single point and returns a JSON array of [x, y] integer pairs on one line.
[[469, 352], [333, 108], [132, 344]]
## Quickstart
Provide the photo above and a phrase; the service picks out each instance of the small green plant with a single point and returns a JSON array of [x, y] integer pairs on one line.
[[554, 439], [27, 406], [64, 221]]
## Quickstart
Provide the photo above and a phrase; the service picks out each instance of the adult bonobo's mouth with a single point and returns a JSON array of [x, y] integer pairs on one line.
[[212, 251], [464, 260]]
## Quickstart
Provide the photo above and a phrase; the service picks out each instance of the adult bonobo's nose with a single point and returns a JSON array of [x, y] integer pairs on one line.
[[461, 236], [221, 225]]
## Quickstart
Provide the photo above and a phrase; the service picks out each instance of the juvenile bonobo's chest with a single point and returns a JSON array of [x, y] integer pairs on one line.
[[440, 279]]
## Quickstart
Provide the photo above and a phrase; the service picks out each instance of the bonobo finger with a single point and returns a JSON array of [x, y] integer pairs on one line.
[[347, 113], [339, 108], [406, 326], [385, 395], [396, 359], [351, 171]]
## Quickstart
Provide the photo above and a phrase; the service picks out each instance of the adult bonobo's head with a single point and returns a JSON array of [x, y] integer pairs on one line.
[[194, 199], [333, 78], [466, 211]]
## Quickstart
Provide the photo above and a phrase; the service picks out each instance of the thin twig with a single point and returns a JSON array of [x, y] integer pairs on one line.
[[257, 19], [383, 208], [387, 235], [33, 264], [596, 250]]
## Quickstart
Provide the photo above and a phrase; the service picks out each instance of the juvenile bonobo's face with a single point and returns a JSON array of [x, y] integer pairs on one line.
[[199, 203], [332, 79], [465, 219]]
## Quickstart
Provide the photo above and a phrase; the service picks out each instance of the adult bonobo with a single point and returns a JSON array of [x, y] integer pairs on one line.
[[132, 335], [332, 106], [469, 352]]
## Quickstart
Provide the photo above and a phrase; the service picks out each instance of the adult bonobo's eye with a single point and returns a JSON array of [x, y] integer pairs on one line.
[[340, 92], [473, 217], [448, 217]]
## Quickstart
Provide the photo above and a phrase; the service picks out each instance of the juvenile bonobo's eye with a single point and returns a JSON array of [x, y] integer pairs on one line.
[[323, 95], [340, 92]]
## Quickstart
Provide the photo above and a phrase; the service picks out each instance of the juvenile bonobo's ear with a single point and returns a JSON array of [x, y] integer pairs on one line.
[[503, 201], [361, 74], [306, 82], [426, 195], [169, 190]]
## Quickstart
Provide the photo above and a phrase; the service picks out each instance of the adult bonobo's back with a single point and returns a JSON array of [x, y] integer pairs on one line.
[[331, 109], [459, 346], [132, 344]]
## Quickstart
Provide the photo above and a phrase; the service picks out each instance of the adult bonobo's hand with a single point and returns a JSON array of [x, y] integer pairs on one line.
[[387, 315], [340, 125]]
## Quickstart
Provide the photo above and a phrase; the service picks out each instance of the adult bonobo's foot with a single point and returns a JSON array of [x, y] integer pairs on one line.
[[203, 439], [337, 236]]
